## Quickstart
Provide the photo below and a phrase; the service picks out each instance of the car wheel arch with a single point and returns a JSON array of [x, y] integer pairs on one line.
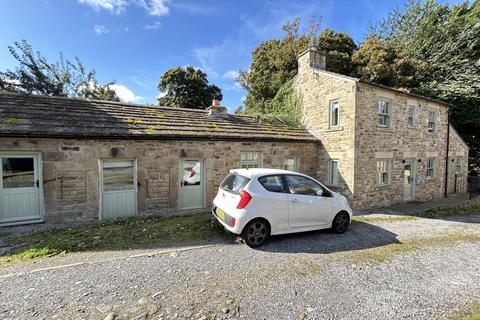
[[269, 225]]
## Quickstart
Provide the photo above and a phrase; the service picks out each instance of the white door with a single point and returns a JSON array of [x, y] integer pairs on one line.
[[191, 184], [408, 180], [307, 205], [119, 189], [19, 189]]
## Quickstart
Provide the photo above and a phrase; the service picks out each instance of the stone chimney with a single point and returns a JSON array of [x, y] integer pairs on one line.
[[311, 59], [216, 108]]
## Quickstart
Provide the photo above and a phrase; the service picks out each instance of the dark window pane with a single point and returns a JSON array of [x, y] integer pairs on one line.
[[18, 173], [304, 186], [234, 183], [118, 176], [272, 183]]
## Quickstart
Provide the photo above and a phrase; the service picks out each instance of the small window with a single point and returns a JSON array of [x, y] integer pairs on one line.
[[411, 116], [234, 183], [18, 173], [290, 163], [250, 160], [432, 119], [334, 113], [304, 186], [333, 172], [384, 114], [459, 165], [272, 183], [118, 175], [430, 168], [383, 172]]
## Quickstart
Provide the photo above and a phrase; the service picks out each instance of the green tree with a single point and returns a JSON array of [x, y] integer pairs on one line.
[[36, 75], [274, 62], [377, 61], [187, 88], [447, 41]]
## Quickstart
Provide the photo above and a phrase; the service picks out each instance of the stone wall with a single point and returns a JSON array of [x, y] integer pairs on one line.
[[398, 143], [457, 182], [316, 89], [71, 169]]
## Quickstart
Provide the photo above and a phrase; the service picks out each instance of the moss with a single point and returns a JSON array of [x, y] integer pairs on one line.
[[383, 253], [382, 218], [149, 130], [135, 232], [135, 120], [472, 314], [10, 121], [473, 209]]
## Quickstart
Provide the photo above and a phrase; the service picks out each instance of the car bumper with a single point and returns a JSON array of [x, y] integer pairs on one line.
[[227, 222]]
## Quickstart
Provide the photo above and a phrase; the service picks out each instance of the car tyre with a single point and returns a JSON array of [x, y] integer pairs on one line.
[[340, 222], [256, 232]]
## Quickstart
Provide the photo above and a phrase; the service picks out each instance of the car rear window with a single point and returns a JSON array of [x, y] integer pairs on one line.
[[234, 183], [272, 183]]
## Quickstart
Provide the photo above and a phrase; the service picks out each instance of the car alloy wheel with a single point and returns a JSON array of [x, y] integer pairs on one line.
[[255, 233], [341, 222]]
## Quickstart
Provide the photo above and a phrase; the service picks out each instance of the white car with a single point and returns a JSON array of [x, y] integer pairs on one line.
[[257, 203]]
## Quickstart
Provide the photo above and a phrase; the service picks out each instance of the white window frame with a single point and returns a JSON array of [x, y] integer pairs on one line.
[[331, 118], [388, 171], [295, 159], [385, 114], [333, 177], [251, 163], [458, 169], [434, 128], [432, 168], [411, 115]]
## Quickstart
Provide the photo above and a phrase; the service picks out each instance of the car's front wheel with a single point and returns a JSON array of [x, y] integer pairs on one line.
[[340, 222], [256, 232]]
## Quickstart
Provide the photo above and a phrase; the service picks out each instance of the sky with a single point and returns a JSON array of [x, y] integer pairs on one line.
[[133, 42]]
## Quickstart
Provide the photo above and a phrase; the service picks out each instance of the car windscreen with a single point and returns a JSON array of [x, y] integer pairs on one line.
[[234, 183]]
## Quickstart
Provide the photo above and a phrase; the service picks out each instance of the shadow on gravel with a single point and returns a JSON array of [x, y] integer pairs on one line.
[[360, 236]]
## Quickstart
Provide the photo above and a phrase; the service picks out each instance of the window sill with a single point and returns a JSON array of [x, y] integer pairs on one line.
[[431, 180], [380, 187], [385, 129], [333, 129]]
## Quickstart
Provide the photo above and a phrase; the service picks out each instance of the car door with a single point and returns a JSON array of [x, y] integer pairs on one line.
[[309, 203]]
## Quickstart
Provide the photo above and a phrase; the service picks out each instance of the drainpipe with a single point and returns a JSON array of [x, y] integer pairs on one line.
[[448, 147]]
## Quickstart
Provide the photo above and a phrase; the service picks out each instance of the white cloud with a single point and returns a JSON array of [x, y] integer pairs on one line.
[[153, 7], [125, 94], [99, 30], [231, 74], [162, 94], [114, 6], [153, 26]]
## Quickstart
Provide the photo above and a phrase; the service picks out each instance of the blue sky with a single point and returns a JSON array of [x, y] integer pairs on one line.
[[133, 42]]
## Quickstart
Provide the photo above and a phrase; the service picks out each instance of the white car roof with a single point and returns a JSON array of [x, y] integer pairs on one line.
[[254, 173]]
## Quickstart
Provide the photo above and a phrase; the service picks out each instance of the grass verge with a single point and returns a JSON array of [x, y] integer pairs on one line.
[[472, 314], [473, 209], [132, 233], [384, 253], [382, 218]]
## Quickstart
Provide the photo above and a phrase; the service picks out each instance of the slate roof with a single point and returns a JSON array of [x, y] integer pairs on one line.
[[24, 115]]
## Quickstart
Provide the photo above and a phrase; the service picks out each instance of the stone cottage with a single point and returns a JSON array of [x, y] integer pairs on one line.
[[70, 159]]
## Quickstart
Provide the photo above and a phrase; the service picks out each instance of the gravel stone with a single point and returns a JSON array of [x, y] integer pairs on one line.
[[316, 275]]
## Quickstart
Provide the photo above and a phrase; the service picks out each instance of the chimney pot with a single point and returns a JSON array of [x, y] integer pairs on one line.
[[216, 108]]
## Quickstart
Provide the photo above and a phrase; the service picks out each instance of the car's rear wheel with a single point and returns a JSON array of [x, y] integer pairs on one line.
[[256, 232], [340, 222]]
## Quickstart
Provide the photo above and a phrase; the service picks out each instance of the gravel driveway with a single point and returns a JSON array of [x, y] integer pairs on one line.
[[398, 269]]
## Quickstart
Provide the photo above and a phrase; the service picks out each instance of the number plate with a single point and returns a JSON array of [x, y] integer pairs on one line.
[[220, 214]]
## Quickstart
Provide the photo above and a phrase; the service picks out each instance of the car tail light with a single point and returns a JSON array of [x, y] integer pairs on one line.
[[245, 198], [192, 173]]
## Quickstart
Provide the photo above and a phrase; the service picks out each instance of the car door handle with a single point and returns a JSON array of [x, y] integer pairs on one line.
[[295, 201]]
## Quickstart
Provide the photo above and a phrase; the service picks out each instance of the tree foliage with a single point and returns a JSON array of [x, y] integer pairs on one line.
[[36, 75], [446, 39], [187, 88], [274, 61], [378, 61]]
